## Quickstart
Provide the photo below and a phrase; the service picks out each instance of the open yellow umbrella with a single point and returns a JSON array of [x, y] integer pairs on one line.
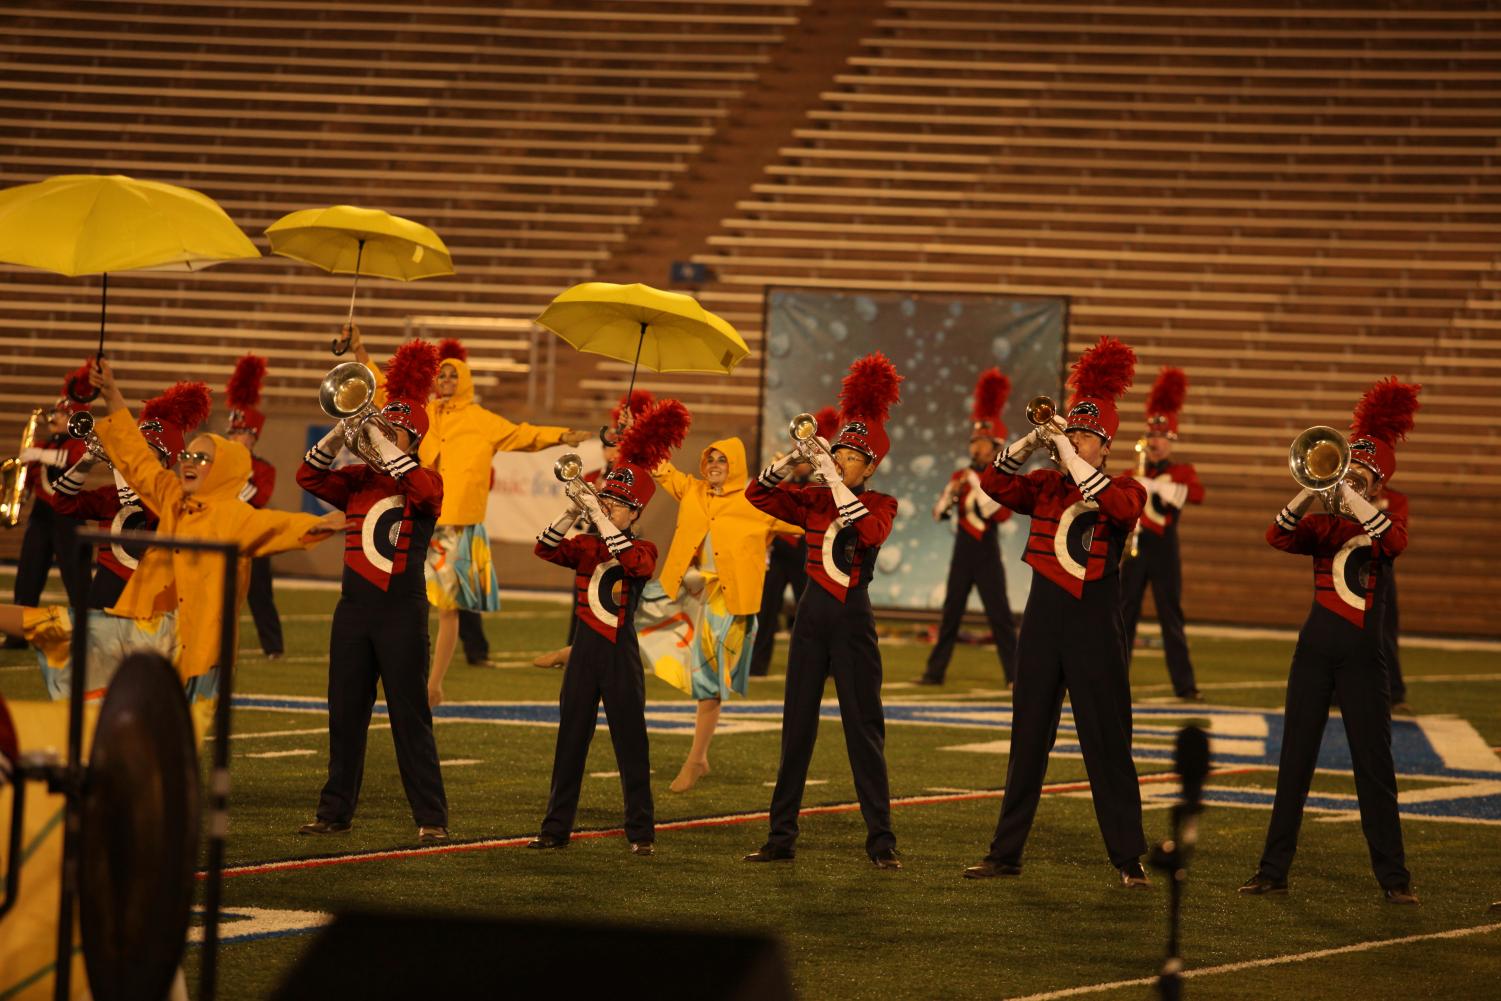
[[665, 331], [94, 224], [349, 240]]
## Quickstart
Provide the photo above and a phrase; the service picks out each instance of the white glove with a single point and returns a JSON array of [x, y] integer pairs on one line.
[[54, 457], [825, 466], [1288, 517], [397, 463], [1172, 493], [247, 492], [984, 503], [1090, 480], [776, 471], [1016, 454], [945, 501], [71, 481], [851, 507], [1374, 521], [323, 454], [553, 535], [1149, 485]]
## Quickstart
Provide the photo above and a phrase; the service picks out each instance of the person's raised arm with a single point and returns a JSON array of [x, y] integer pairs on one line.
[[126, 447]]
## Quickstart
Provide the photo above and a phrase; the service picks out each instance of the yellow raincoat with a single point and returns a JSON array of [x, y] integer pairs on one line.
[[462, 437], [215, 512], [740, 536]]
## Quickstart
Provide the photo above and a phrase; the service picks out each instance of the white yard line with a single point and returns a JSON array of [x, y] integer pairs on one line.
[[1297, 957]]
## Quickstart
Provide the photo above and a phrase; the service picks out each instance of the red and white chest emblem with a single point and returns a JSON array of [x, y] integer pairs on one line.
[[381, 552], [130, 518]]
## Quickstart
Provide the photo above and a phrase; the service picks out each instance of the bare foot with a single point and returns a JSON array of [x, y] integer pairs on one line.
[[687, 778]]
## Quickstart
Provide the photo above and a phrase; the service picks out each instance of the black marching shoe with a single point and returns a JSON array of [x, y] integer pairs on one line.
[[886, 858], [1401, 895], [926, 680], [1133, 876], [324, 827], [770, 853], [547, 841], [643, 848], [986, 869], [1261, 884], [432, 834]]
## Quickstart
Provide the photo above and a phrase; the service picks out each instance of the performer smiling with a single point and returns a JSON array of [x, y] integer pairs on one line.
[[1071, 630]]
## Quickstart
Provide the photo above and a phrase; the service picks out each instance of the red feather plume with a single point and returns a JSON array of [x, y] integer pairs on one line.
[[870, 388], [1386, 411], [1104, 371], [828, 423], [1168, 392], [184, 406], [450, 347], [655, 434], [640, 399], [76, 386], [991, 394], [244, 389], [411, 370]]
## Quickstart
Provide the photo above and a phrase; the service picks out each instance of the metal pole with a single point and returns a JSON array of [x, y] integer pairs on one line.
[[73, 779], [218, 815]]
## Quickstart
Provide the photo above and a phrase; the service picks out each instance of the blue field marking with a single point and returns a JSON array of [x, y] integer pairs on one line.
[[1425, 747]]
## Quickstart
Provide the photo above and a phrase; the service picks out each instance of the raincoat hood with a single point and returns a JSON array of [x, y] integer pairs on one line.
[[463, 395], [227, 473], [734, 450]]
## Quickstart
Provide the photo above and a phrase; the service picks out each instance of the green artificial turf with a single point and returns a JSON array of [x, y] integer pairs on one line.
[[849, 930]]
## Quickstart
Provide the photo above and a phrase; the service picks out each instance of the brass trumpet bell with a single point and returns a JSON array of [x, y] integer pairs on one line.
[[81, 426], [1319, 459], [805, 441], [347, 391], [1041, 410], [569, 469]]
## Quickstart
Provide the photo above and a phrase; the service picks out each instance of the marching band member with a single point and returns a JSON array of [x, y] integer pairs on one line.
[[697, 621], [1071, 629], [1341, 648], [165, 423], [379, 627], [786, 561], [976, 562], [610, 571], [199, 500], [49, 537], [245, 425], [835, 632], [1169, 485], [462, 439]]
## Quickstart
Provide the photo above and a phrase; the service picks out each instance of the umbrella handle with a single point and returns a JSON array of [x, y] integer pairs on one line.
[[339, 345]]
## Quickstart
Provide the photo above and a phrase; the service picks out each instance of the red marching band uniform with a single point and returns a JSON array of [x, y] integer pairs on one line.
[[49, 535], [1071, 633], [166, 422], [246, 419]]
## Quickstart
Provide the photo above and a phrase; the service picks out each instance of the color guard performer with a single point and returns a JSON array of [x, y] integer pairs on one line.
[[610, 571], [976, 562], [1342, 647], [462, 439], [165, 423], [786, 561], [1169, 485], [245, 425], [1071, 630], [379, 629], [835, 633]]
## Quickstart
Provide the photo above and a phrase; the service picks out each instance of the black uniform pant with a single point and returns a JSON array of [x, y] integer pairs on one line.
[[472, 636], [1333, 653], [836, 639], [1157, 562], [263, 606], [1390, 627], [1074, 644], [600, 670], [387, 642], [49, 537], [106, 589], [976, 564], [786, 564]]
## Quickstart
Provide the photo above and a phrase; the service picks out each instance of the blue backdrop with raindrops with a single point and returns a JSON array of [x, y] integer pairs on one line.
[[940, 343]]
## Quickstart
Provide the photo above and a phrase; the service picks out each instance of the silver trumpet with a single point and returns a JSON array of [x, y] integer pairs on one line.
[[806, 443], [1042, 414], [347, 393], [1319, 459], [569, 469], [81, 426]]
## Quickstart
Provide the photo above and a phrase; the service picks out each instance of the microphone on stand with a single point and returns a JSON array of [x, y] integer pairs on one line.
[[1191, 761]]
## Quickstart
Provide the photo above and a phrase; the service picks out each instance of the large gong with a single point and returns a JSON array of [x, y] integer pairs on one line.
[[139, 844]]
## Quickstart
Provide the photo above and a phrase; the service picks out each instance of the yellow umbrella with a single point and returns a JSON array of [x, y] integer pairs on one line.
[[665, 331], [349, 240], [93, 224]]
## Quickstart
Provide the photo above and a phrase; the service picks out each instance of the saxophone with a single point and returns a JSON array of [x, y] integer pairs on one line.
[[13, 475]]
